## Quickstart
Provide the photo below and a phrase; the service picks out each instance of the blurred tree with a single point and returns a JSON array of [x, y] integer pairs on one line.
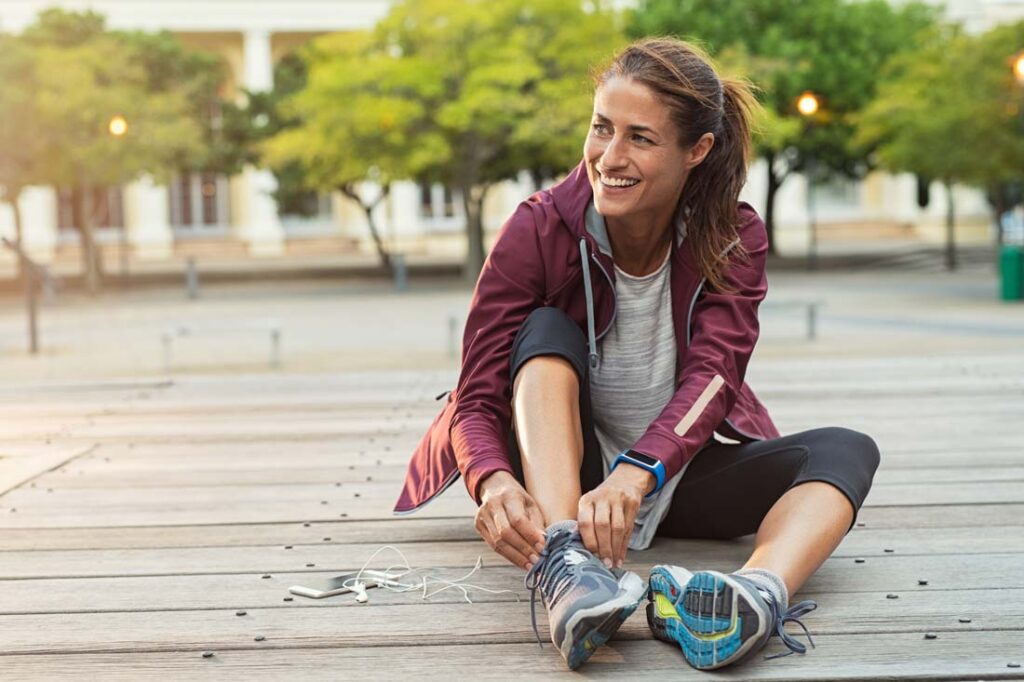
[[951, 111], [463, 92], [21, 132], [87, 76], [834, 48]]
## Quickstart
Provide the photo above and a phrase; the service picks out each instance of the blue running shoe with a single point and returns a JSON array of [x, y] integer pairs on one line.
[[586, 602], [718, 619]]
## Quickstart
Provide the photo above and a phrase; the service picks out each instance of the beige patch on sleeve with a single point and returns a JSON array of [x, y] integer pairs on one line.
[[699, 405]]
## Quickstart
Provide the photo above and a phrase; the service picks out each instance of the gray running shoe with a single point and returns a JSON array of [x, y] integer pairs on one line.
[[586, 602], [718, 619]]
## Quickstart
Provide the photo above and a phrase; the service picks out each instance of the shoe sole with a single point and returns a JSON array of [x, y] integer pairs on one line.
[[708, 615], [590, 628]]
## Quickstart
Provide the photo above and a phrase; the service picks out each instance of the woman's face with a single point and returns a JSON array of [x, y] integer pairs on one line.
[[634, 161]]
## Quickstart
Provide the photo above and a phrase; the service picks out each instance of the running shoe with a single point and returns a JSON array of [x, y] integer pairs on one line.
[[586, 602], [719, 619]]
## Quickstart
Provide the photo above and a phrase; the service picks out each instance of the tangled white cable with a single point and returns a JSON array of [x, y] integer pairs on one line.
[[399, 582]]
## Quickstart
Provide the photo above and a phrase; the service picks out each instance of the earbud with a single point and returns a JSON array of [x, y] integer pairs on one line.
[[360, 590]]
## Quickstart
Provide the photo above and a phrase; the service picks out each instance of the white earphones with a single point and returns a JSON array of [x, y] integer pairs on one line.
[[390, 581]]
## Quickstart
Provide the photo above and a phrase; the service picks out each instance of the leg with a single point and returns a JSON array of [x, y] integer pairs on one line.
[[552, 445], [546, 420], [800, 531], [801, 493]]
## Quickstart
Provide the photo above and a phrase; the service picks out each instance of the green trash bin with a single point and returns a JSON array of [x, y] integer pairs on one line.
[[1011, 272]]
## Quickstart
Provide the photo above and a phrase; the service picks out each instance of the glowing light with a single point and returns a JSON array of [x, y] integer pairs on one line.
[[118, 126], [807, 104], [1018, 68]]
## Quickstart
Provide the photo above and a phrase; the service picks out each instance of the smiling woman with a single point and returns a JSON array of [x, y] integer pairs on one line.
[[606, 349]]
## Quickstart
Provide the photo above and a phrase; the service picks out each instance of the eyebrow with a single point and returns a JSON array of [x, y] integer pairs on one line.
[[632, 128]]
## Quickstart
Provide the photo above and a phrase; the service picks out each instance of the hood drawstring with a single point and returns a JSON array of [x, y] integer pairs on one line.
[[589, 293]]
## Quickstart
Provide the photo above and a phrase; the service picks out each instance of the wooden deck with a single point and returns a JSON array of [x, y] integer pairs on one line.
[[143, 523]]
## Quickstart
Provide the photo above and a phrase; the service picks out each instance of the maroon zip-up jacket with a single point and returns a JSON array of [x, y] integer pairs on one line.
[[538, 260]]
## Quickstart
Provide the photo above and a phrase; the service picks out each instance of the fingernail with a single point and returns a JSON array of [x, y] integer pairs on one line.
[[607, 562], [539, 547], [534, 558], [618, 564]]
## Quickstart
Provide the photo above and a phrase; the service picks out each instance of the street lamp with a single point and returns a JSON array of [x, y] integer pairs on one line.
[[808, 104], [118, 126]]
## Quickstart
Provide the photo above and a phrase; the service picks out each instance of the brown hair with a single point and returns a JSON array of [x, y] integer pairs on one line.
[[699, 101]]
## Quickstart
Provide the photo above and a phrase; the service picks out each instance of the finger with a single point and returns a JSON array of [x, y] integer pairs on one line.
[[585, 521], [519, 527], [603, 531], [620, 538], [537, 539], [503, 543]]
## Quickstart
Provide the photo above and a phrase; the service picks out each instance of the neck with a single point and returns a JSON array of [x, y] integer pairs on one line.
[[637, 248]]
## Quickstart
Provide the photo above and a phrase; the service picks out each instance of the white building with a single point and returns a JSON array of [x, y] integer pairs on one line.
[[237, 214]]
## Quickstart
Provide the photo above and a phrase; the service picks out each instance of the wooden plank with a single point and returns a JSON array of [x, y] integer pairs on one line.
[[371, 626], [343, 556], [959, 656], [944, 524], [863, 610], [16, 470], [167, 473]]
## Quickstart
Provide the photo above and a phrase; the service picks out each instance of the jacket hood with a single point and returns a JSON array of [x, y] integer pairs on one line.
[[571, 198]]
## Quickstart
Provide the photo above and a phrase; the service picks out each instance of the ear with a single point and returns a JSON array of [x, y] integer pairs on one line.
[[700, 150]]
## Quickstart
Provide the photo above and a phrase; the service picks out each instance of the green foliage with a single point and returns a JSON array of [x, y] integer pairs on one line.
[[21, 131], [952, 110], [464, 92], [834, 48]]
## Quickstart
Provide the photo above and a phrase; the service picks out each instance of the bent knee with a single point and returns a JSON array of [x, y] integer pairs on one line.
[[848, 444]]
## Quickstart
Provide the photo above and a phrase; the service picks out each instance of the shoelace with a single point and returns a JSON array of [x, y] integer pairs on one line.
[[552, 577], [792, 615]]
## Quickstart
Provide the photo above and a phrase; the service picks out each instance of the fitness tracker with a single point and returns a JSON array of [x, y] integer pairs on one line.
[[644, 462]]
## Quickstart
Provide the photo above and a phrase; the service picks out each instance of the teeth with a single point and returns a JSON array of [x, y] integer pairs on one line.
[[618, 182]]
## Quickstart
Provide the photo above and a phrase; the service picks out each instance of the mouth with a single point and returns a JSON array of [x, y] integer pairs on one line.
[[616, 183]]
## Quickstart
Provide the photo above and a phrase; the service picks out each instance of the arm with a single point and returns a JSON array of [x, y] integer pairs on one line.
[[724, 332], [510, 287]]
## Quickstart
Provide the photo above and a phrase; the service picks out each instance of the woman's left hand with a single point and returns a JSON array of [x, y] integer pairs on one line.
[[607, 512]]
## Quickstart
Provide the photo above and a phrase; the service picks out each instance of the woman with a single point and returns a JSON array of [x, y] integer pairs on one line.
[[606, 345]]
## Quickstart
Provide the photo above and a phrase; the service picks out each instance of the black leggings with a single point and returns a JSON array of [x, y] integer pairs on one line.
[[728, 488]]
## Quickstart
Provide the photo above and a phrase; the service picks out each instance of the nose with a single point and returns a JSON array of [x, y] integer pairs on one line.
[[614, 155]]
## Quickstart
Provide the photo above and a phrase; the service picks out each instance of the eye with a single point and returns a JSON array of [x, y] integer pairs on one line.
[[601, 128], [641, 139]]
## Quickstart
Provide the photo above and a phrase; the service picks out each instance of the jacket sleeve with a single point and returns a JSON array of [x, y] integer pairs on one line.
[[724, 330], [511, 285]]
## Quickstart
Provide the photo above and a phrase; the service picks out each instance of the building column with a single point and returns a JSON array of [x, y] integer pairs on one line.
[[38, 221], [147, 211], [259, 224]]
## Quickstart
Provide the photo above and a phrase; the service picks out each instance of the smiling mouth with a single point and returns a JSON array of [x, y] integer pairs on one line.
[[617, 182]]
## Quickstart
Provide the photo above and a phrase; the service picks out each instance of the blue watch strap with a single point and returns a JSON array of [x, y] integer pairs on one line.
[[654, 466]]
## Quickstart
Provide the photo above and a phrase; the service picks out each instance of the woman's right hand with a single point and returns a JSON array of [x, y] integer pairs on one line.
[[509, 520]]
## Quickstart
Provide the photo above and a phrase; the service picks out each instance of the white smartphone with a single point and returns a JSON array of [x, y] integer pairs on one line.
[[328, 587]]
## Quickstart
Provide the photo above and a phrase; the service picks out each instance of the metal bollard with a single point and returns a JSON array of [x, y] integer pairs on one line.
[[401, 278], [192, 278]]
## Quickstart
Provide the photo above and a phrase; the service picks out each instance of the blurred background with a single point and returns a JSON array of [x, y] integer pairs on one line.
[[273, 164]]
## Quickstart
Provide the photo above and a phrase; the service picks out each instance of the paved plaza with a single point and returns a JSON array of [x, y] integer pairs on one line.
[[155, 510]]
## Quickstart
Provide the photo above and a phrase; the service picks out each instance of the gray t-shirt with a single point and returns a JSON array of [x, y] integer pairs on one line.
[[635, 380]]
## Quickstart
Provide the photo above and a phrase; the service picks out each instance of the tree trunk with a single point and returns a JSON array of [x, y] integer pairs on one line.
[[950, 227], [473, 204], [82, 212], [18, 232], [774, 182], [378, 243]]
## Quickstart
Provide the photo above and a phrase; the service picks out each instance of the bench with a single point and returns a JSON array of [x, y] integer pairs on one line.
[[271, 327]]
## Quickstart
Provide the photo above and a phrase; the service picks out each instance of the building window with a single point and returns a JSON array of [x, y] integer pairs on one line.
[[437, 202], [106, 203], [199, 201]]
